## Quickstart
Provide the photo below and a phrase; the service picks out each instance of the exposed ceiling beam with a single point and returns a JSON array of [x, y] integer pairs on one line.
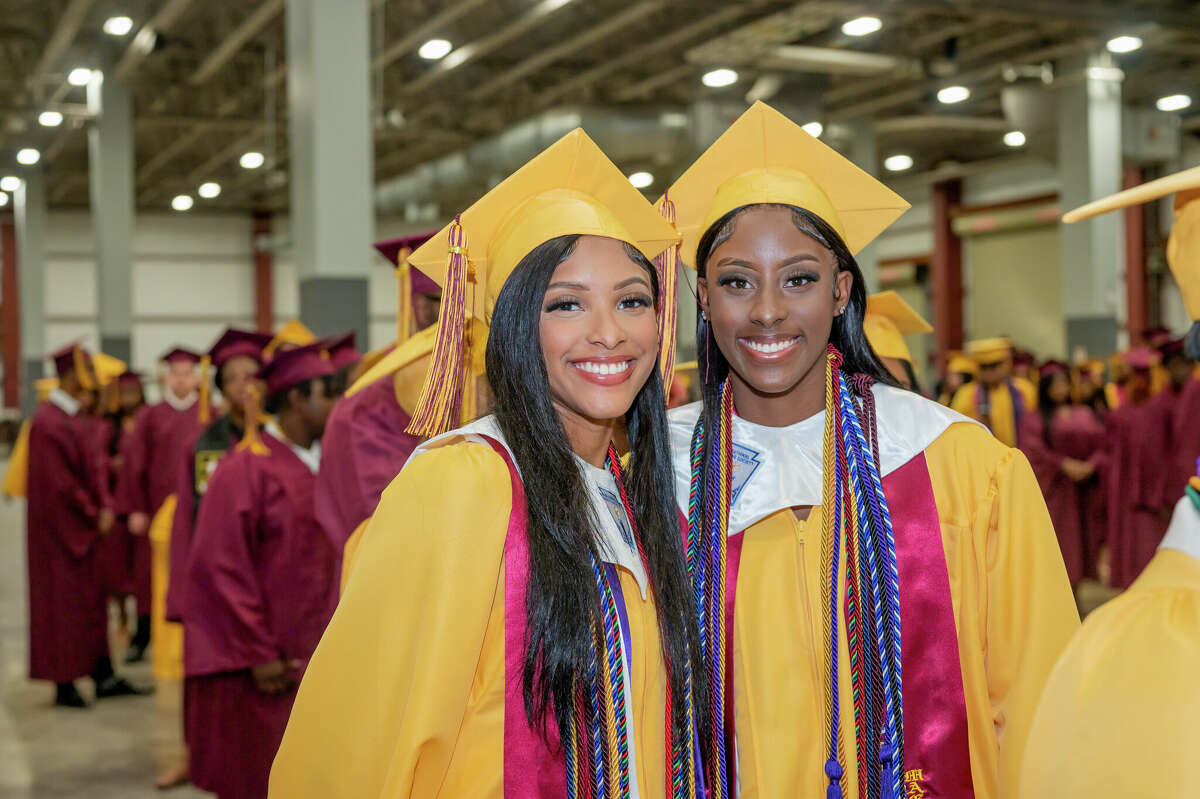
[[834, 61], [64, 33], [925, 122], [426, 30], [646, 87], [143, 43], [251, 26]]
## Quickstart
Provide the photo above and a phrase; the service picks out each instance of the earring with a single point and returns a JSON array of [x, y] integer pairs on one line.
[[704, 315]]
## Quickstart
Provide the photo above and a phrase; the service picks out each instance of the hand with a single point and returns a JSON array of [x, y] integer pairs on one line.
[[275, 677], [1076, 470], [104, 522], [139, 522]]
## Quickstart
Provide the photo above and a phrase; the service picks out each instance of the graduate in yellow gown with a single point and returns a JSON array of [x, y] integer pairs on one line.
[[888, 319], [880, 590], [997, 399], [468, 642], [1120, 716]]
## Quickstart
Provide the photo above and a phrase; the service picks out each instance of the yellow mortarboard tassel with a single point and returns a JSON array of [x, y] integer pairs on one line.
[[668, 297], [81, 370], [203, 414], [404, 317], [250, 439], [441, 396]]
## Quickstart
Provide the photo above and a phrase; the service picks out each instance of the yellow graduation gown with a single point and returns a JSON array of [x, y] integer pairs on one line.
[[167, 661], [1013, 610], [404, 696], [17, 477], [1002, 417], [1120, 716]]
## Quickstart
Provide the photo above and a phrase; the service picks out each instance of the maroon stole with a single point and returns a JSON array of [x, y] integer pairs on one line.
[[937, 760]]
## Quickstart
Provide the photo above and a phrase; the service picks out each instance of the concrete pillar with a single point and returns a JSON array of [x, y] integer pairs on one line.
[[10, 311], [332, 157], [864, 152], [947, 270], [110, 178], [264, 265], [1089, 167], [30, 213]]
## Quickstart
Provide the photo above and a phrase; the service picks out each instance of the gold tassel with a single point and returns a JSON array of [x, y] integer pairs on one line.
[[404, 317], [203, 414], [254, 415], [668, 299], [441, 396]]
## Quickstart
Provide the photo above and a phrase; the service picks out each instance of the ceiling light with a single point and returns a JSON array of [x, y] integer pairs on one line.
[[898, 163], [1174, 102], [182, 202], [3, 199], [1124, 44], [953, 94], [862, 26], [814, 129], [80, 76], [118, 26], [209, 190], [1014, 138], [435, 49], [719, 77], [28, 156], [50, 119], [251, 160], [10, 183], [641, 180]]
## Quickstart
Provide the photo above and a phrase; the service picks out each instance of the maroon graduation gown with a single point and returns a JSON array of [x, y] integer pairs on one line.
[[67, 614], [363, 449], [1139, 452], [113, 552], [1075, 432], [261, 585], [1185, 436]]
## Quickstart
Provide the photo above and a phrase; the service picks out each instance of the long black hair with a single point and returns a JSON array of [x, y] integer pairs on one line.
[[562, 599], [1046, 404]]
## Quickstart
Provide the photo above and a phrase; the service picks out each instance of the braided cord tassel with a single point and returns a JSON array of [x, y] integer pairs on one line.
[[667, 264]]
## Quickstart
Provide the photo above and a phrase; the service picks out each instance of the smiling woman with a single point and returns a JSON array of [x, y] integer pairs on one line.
[[528, 631]]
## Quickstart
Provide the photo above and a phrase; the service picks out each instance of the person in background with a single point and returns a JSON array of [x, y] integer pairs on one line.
[[887, 321], [1116, 389], [997, 399], [960, 370], [261, 579], [344, 358], [1064, 442], [1025, 366], [291, 335]]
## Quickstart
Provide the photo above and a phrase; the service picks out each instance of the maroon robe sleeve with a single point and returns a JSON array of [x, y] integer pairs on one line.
[[228, 620], [181, 535], [61, 460], [1046, 462], [133, 481]]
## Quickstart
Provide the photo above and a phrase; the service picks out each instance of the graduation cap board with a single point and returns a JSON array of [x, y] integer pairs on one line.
[[888, 319]]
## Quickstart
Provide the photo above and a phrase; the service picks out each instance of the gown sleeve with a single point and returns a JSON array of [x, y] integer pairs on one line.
[[380, 707], [1031, 612], [131, 484]]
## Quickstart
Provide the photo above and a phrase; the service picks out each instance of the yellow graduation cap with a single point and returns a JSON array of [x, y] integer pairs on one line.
[[107, 368], [887, 320], [957, 361], [764, 157], [1183, 246], [990, 350], [44, 386], [293, 334], [570, 188]]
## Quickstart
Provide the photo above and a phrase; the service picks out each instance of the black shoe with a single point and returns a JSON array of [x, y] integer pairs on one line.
[[135, 654], [119, 686], [68, 696]]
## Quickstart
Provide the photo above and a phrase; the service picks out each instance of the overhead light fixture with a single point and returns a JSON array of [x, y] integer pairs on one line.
[[118, 26], [252, 160], [641, 180], [28, 156], [10, 183], [1173, 102], [435, 49], [862, 26], [80, 76], [814, 129], [953, 94], [718, 78], [3, 199], [1124, 44], [1014, 138], [898, 163], [50, 119], [209, 190], [182, 202]]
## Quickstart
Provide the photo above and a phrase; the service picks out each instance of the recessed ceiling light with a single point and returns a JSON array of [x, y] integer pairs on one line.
[[1124, 44], [3, 199], [50, 119], [1014, 138], [814, 129], [209, 190], [641, 180], [28, 156], [80, 76], [10, 183], [435, 49], [182, 202], [898, 163], [1174, 102], [862, 26], [717, 78], [118, 26], [953, 94], [251, 160]]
